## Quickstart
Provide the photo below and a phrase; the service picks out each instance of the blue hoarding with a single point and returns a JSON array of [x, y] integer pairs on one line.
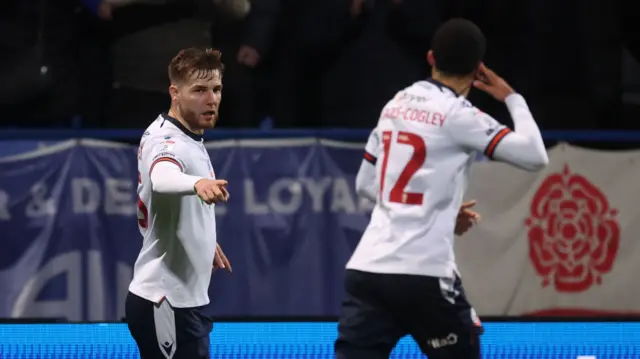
[[315, 340]]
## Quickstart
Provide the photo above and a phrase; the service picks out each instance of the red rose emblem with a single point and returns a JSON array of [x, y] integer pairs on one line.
[[573, 234]]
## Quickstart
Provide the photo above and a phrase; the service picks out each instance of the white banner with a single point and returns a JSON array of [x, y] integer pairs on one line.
[[563, 241]]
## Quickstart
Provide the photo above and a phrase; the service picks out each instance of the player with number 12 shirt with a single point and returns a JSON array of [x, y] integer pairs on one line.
[[402, 278]]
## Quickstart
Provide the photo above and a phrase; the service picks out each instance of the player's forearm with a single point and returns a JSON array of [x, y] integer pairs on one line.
[[167, 178], [523, 121], [366, 181], [525, 146]]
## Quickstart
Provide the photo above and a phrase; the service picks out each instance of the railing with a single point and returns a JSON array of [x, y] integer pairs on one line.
[[335, 134]]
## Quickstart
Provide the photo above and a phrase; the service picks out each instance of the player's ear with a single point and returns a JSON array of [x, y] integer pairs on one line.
[[430, 59], [173, 92]]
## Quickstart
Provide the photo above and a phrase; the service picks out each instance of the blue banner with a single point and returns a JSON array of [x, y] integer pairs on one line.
[[70, 237], [315, 340]]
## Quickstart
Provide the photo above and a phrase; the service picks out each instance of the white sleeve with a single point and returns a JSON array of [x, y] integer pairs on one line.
[[523, 148], [167, 169], [167, 178], [366, 185]]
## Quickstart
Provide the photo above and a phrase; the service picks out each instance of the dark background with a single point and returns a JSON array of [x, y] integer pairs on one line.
[[312, 63]]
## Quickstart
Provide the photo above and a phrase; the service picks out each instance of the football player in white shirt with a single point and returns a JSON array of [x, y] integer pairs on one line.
[[177, 190], [402, 278]]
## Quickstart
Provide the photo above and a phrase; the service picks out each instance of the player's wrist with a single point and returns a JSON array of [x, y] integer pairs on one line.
[[513, 99], [195, 185], [507, 91]]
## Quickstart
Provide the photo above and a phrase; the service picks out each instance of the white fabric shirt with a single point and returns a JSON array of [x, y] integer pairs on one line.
[[178, 229], [416, 169]]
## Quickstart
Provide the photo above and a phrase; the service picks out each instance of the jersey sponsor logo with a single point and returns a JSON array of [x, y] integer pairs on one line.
[[407, 97], [437, 343], [414, 114]]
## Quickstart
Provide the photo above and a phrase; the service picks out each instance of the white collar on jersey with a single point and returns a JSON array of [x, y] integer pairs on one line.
[[441, 86]]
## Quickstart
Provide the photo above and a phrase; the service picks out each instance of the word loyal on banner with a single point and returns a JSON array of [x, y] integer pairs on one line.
[[556, 242]]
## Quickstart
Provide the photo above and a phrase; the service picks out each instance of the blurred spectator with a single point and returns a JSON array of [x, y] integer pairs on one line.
[[383, 50], [312, 36], [309, 63], [244, 32], [233, 9], [38, 66], [631, 76], [139, 37], [104, 8]]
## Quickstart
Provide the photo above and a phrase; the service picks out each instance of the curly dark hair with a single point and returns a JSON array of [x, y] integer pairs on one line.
[[458, 47]]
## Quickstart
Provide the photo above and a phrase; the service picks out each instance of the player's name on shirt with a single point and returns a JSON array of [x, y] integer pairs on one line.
[[401, 112]]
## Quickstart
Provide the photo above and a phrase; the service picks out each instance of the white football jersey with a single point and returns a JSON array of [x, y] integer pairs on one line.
[[422, 147], [179, 232]]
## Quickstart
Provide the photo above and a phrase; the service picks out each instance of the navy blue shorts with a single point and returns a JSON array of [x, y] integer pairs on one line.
[[379, 309], [164, 332]]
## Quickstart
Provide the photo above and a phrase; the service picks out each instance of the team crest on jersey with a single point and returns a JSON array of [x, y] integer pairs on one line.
[[167, 145]]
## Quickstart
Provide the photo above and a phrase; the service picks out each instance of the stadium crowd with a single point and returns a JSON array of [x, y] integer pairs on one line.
[[312, 63]]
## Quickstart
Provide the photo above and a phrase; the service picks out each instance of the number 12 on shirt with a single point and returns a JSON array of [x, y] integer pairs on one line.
[[397, 193]]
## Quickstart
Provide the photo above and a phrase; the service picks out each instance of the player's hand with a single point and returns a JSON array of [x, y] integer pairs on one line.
[[489, 82], [466, 218], [220, 260], [212, 191]]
